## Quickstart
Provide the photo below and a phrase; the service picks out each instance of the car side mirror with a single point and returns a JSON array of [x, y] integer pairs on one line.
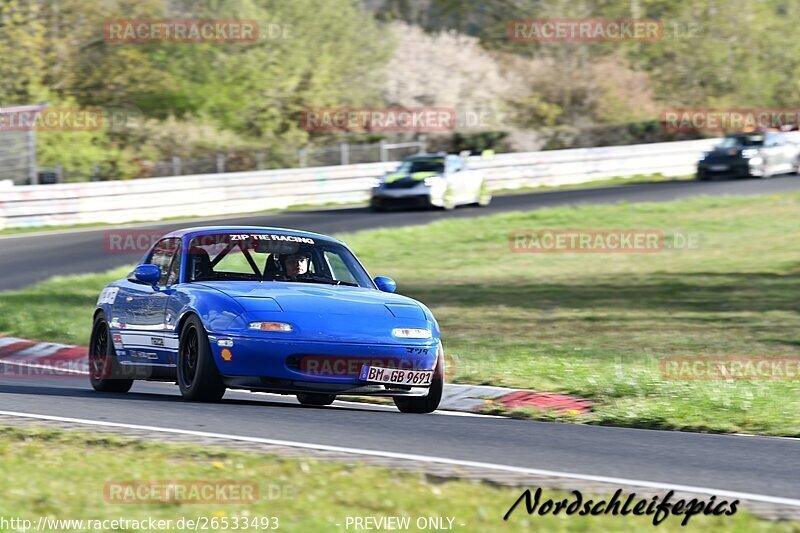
[[385, 284], [147, 274]]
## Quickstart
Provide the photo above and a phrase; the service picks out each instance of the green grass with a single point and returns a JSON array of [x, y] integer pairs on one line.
[[597, 325], [62, 475], [594, 325]]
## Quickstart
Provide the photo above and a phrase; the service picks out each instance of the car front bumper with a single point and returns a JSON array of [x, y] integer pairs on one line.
[[729, 169], [321, 367], [420, 195]]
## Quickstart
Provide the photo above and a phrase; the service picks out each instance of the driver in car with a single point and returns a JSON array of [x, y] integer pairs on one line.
[[295, 265]]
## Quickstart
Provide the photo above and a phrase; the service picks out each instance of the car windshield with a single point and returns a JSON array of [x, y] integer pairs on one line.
[[422, 165], [273, 257], [734, 141]]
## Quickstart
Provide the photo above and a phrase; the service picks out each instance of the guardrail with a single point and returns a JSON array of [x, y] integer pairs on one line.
[[118, 202]]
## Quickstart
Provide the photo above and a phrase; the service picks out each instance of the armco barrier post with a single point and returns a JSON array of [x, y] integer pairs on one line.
[[33, 174]]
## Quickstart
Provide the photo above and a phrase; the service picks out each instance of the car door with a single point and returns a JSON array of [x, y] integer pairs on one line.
[[788, 154], [146, 337], [456, 181], [773, 153]]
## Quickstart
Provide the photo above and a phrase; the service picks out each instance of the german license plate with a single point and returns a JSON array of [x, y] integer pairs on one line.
[[717, 168], [396, 376]]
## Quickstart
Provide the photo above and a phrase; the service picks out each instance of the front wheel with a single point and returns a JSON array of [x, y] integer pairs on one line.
[[484, 196], [316, 399], [449, 200], [105, 372], [198, 377], [429, 403]]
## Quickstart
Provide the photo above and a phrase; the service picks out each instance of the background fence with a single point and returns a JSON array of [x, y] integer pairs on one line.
[[18, 164], [241, 192]]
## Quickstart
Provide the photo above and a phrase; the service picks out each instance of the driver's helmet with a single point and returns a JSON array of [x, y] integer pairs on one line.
[[283, 257]]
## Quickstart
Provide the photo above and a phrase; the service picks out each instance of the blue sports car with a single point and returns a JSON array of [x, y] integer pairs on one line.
[[264, 309]]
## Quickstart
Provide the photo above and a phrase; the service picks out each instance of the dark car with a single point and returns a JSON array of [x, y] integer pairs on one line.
[[751, 154]]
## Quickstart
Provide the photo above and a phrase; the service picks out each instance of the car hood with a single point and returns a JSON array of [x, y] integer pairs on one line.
[[326, 313], [733, 152], [317, 299], [413, 176]]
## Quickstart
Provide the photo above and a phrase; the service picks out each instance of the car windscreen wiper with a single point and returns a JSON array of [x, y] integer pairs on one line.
[[328, 281]]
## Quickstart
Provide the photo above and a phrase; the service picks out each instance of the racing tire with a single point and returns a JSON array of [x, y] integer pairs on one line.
[[375, 207], [316, 399], [428, 403], [484, 196], [449, 201], [105, 372], [198, 377]]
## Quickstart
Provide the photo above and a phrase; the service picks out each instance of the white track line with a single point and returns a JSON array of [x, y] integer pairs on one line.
[[425, 459]]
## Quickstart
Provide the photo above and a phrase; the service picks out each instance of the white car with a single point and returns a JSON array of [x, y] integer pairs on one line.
[[435, 180]]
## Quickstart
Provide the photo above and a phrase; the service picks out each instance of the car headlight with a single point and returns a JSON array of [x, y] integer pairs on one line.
[[747, 153], [430, 180], [411, 333], [705, 155], [271, 326]]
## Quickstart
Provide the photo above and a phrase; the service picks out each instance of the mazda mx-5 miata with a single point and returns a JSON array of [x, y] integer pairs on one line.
[[264, 309]]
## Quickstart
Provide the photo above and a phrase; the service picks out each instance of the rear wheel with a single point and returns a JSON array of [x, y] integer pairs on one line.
[[316, 399], [198, 377], [429, 403], [105, 372]]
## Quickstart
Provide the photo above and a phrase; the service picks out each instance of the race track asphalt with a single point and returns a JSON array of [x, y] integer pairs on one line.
[[756, 465], [28, 258], [762, 465]]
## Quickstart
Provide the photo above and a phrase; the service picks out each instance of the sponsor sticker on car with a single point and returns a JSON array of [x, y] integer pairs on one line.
[[394, 376]]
